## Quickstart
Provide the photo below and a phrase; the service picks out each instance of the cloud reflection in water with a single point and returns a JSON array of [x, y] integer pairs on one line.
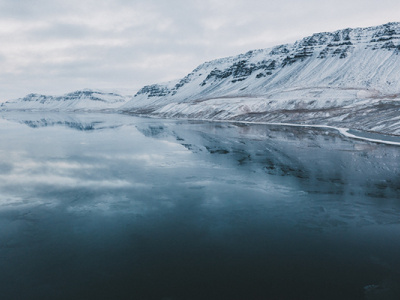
[[206, 211]]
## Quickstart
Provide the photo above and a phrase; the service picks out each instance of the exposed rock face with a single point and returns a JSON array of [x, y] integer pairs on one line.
[[348, 78]]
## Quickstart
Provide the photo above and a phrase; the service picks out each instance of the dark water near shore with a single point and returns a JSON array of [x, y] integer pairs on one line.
[[117, 207]]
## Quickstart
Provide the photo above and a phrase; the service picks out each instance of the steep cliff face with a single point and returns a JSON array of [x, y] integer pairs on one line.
[[329, 78], [78, 100]]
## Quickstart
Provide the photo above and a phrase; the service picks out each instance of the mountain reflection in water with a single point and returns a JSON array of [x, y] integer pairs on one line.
[[111, 206]]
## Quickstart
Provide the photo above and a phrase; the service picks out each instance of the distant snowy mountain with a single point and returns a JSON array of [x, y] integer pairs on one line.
[[83, 100], [348, 78]]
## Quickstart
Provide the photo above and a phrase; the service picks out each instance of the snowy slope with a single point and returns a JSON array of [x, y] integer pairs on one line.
[[349, 77], [83, 100]]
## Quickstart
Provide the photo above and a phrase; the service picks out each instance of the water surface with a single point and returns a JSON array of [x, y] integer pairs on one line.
[[118, 207]]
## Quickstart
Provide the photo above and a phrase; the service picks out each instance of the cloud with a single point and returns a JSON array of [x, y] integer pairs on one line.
[[58, 46]]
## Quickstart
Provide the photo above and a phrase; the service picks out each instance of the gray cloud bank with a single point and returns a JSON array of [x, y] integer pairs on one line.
[[53, 47]]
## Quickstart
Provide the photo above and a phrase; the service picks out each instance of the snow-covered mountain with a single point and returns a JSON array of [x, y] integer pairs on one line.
[[347, 78], [83, 100]]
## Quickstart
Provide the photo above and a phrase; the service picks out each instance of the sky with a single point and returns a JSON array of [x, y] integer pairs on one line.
[[54, 47]]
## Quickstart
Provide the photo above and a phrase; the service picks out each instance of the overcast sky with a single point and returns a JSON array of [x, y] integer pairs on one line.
[[54, 47]]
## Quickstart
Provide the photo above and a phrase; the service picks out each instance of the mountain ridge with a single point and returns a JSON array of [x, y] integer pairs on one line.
[[80, 100], [346, 78], [321, 79], [383, 34]]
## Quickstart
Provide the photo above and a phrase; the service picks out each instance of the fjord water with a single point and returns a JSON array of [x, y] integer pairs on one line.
[[119, 207]]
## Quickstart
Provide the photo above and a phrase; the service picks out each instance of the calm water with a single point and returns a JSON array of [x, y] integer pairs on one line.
[[117, 207]]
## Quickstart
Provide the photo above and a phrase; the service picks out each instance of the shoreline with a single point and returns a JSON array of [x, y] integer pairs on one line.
[[343, 131]]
